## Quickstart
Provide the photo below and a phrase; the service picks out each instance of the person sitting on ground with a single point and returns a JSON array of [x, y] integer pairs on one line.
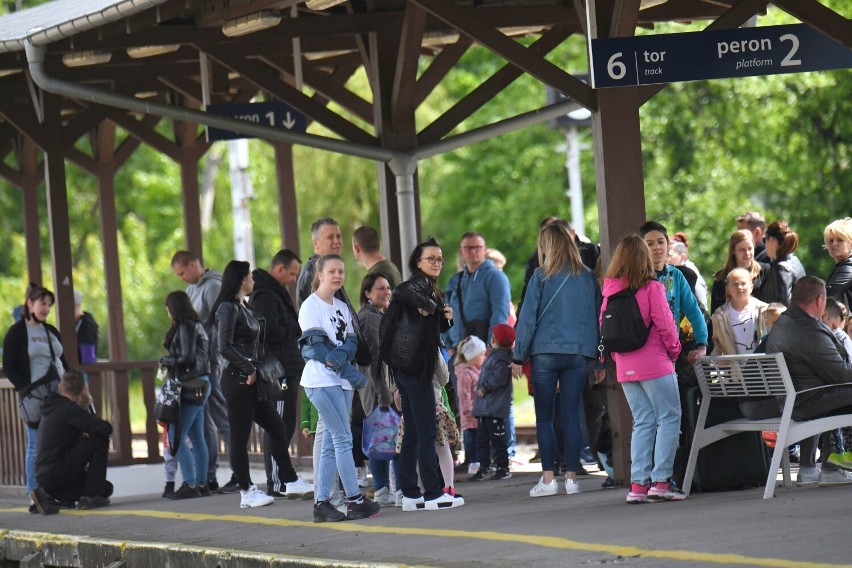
[[814, 358], [73, 446], [491, 406]]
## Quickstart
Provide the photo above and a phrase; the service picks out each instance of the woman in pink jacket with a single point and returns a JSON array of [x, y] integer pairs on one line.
[[647, 375]]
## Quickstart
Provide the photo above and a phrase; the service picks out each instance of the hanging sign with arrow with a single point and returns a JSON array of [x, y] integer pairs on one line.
[[273, 113]]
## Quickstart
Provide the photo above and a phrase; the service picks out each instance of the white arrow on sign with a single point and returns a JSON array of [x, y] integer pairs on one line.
[[288, 121]]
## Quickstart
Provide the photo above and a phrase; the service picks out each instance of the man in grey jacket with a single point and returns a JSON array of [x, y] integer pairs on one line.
[[204, 285], [815, 359]]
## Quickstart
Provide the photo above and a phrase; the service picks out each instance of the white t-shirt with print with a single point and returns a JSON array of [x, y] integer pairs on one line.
[[335, 320]]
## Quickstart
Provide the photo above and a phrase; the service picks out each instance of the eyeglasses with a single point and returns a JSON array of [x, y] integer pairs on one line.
[[473, 248], [434, 259]]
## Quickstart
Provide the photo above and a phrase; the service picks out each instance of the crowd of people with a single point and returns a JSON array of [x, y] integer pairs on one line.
[[445, 360]]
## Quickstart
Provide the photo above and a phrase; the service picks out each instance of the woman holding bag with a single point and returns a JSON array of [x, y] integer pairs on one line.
[[375, 298], [32, 353], [411, 335], [188, 362], [238, 333], [558, 331]]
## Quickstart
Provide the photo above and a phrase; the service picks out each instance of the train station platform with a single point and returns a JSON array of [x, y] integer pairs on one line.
[[500, 526]]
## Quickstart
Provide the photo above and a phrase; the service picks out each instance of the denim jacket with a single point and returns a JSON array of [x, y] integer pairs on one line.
[[315, 345], [569, 326]]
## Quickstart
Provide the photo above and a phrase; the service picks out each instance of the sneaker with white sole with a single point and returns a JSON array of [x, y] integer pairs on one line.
[[572, 486], [384, 497], [638, 493], [361, 475], [543, 489], [398, 498], [299, 489], [807, 476], [411, 504], [665, 491], [834, 477], [445, 501], [254, 497]]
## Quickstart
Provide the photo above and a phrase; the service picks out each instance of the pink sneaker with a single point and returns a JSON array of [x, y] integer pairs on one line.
[[665, 491], [638, 494]]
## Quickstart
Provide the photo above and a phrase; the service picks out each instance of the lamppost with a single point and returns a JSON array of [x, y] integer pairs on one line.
[[570, 124]]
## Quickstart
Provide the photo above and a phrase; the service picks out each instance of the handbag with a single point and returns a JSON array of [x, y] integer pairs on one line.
[[32, 396], [193, 390], [270, 371], [378, 439], [167, 407]]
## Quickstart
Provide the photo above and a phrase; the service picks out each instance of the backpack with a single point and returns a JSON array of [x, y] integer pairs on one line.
[[622, 326]]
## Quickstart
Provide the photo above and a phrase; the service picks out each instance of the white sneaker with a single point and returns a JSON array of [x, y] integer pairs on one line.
[[398, 498], [543, 489], [299, 489], [337, 501], [445, 501], [384, 497], [473, 468], [409, 504], [572, 487], [254, 497], [807, 476], [361, 474]]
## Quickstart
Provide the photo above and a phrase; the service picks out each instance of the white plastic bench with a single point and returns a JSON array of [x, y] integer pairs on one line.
[[739, 376]]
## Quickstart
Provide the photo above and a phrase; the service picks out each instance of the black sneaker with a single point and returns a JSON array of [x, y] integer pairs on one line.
[[43, 502], [94, 502], [169, 490], [204, 490], [325, 512], [33, 509], [363, 508], [213, 485], [231, 487], [501, 474], [479, 475], [185, 492], [609, 483]]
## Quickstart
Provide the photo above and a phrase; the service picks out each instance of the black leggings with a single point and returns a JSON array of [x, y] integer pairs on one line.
[[243, 409]]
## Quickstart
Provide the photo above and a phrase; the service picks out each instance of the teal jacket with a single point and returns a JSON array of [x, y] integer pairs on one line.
[[683, 302]]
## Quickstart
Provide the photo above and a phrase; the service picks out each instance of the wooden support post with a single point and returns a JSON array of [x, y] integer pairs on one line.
[[60, 237], [191, 188], [621, 210], [105, 145], [32, 179], [288, 213]]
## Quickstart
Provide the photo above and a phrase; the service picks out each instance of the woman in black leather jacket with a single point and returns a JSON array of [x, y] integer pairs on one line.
[[238, 332], [838, 243], [411, 336], [188, 361], [785, 269]]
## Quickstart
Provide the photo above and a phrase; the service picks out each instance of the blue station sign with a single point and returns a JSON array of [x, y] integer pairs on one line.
[[273, 113], [717, 54]]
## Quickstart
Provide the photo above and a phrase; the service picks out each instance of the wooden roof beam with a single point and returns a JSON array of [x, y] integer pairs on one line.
[[819, 17], [440, 67], [488, 90], [146, 134], [511, 50], [402, 97]]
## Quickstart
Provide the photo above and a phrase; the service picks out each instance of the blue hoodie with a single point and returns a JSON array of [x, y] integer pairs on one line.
[[485, 295]]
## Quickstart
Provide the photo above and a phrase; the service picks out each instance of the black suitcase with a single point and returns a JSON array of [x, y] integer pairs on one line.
[[737, 462]]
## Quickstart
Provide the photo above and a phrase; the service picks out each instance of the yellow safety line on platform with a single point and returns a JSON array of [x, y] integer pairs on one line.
[[545, 541]]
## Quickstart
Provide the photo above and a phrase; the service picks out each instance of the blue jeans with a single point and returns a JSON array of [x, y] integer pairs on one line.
[[418, 444], [333, 405], [568, 372], [192, 460], [30, 464], [655, 405], [469, 442], [381, 472]]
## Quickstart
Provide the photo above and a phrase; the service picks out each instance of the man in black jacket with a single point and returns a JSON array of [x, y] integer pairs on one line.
[[271, 300], [72, 450], [814, 358]]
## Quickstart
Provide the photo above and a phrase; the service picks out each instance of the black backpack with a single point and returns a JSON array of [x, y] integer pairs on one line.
[[622, 326]]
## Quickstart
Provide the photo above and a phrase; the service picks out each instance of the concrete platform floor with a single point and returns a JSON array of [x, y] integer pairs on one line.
[[501, 526]]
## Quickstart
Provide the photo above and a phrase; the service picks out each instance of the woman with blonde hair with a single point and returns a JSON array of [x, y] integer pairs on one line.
[[740, 255], [647, 375], [558, 331], [785, 269], [838, 243]]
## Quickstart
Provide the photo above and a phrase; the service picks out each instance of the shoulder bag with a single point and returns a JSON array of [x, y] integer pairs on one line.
[[32, 396]]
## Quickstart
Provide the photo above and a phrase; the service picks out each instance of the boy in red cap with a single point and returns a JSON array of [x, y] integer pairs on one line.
[[491, 407]]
